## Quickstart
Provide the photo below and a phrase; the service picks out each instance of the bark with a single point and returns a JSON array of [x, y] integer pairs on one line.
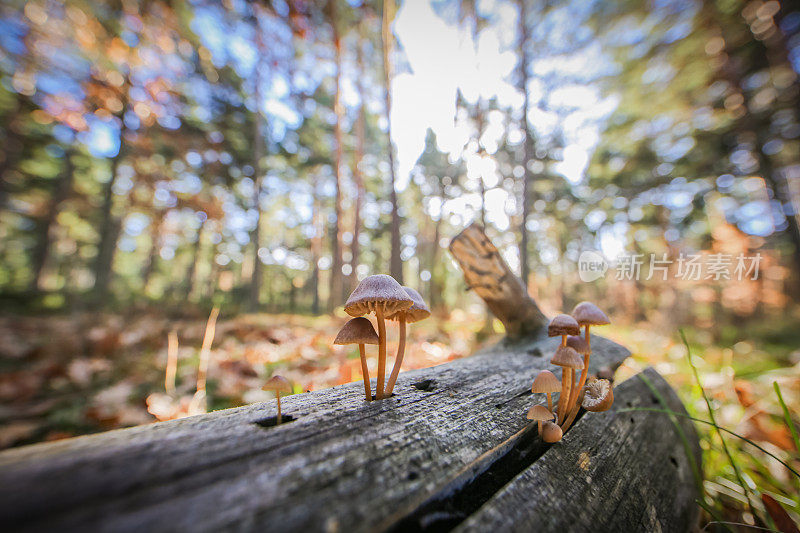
[[337, 285], [258, 154], [234, 470], [110, 226], [486, 272], [61, 191], [527, 145], [316, 248], [358, 177], [155, 243], [191, 272], [396, 263]]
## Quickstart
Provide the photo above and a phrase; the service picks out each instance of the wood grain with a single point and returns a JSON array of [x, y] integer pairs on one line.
[[486, 273], [614, 471], [343, 464]]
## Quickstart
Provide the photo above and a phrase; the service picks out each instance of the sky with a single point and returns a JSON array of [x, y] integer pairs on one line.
[[444, 58]]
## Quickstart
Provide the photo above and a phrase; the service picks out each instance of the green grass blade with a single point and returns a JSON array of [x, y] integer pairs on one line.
[[725, 449], [787, 417]]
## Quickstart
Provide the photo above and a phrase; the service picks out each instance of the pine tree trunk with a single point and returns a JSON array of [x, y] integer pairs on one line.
[[152, 256], [191, 272], [337, 286], [109, 231], [396, 263], [358, 176], [527, 148], [316, 248], [258, 154], [61, 191]]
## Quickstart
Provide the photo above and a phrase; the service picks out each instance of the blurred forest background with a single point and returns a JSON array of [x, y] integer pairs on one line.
[[160, 159]]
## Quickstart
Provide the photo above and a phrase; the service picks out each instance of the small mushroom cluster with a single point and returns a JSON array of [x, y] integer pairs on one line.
[[572, 355], [384, 296]]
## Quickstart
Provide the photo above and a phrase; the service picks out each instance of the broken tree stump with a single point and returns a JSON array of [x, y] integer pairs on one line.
[[451, 450]]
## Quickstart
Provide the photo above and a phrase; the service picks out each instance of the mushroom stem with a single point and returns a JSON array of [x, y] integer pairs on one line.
[[365, 372], [575, 407], [574, 412], [398, 360], [381, 352], [279, 419], [563, 340], [539, 424], [550, 401], [566, 384]]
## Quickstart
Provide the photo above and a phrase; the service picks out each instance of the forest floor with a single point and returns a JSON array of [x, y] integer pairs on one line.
[[62, 376]]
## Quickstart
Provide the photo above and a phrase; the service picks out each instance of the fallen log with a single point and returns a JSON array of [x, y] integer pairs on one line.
[[452, 440]]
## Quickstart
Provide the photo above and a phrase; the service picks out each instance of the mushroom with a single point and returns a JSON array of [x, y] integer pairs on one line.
[[382, 295], [599, 396], [569, 360], [586, 314], [551, 432], [577, 343], [418, 311], [540, 413], [359, 331], [278, 384], [563, 325], [546, 383]]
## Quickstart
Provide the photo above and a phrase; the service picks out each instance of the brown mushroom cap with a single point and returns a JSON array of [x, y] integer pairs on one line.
[[278, 384], [357, 331], [546, 382], [579, 344], [551, 432], [375, 291], [599, 396], [563, 325], [418, 310], [567, 357], [540, 413], [588, 314]]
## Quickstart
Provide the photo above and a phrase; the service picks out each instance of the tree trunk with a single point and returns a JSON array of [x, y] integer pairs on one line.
[[109, 231], [358, 176], [396, 263], [434, 297], [258, 154], [61, 191], [152, 257], [337, 286], [191, 272], [316, 248], [527, 148]]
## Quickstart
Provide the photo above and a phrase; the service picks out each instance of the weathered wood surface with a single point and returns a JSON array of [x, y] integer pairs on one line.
[[343, 464], [451, 445], [614, 471], [486, 273]]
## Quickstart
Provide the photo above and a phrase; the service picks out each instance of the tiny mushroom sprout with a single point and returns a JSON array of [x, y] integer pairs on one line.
[[586, 314], [551, 432], [382, 295], [359, 331], [418, 311], [541, 414], [546, 383], [569, 360], [599, 396], [278, 384]]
